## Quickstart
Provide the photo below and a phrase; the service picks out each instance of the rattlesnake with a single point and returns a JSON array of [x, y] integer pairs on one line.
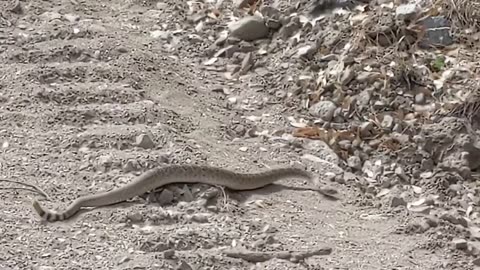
[[161, 176]]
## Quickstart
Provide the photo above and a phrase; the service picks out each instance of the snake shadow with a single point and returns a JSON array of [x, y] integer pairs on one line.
[[244, 195]]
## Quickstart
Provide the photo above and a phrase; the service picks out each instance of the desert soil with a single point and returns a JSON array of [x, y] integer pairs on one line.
[[82, 82]]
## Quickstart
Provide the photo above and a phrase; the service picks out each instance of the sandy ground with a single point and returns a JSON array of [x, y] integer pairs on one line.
[[81, 80]]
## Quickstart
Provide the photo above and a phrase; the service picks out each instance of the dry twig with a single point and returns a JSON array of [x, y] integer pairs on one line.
[[34, 188]]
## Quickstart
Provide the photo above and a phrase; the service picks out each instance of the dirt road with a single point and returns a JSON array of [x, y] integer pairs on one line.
[[82, 80]]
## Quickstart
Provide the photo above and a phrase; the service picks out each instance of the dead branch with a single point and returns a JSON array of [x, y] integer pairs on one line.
[[34, 187]]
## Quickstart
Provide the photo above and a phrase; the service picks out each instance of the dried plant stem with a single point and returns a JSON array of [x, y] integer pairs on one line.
[[32, 187]]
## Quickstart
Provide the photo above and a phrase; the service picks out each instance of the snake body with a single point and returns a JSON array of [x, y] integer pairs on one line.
[[161, 176]]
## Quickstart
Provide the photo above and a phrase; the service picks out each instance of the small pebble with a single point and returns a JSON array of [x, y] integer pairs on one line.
[[460, 243], [144, 141]]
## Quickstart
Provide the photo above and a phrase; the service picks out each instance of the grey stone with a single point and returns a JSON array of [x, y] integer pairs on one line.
[[144, 141], [427, 165], [306, 51], [50, 16], [432, 221], [366, 76], [271, 12], [165, 197], [135, 217], [201, 217], [249, 28], [290, 28], [406, 11], [363, 98], [184, 266], [104, 163], [397, 201], [71, 18], [354, 162], [387, 122], [420, 98], [16, 7], [460, 243], [437, 33], [400, 172], [247, 63], [169, 254], [345, 144], [273, 24], [130, 166], [366, 129], [323, 109], [186, 194], [319, 7], [164, 35], [347, 76], [454, 189]]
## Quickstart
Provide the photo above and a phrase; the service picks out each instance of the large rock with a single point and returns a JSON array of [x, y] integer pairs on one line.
[[249, 28]]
